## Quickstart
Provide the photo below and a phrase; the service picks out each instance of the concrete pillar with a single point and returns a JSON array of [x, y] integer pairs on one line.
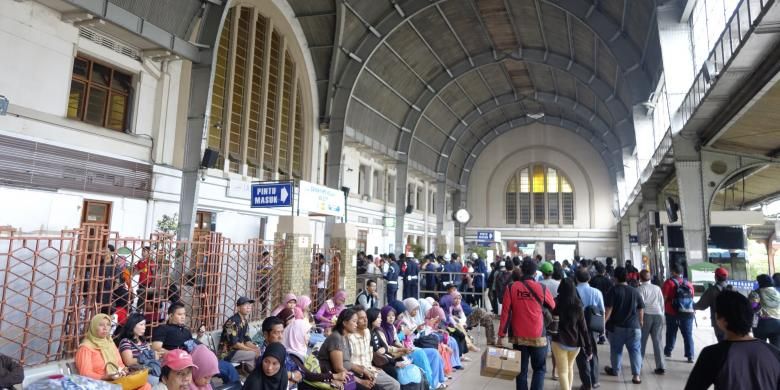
[[401, 201], [370, 182], [624, 230], [296, 263], [460, 246], [693, 207], [197, 117], [344, 240]]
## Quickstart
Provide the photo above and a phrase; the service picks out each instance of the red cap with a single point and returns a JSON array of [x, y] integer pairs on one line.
[[721, 273], [178, 360]]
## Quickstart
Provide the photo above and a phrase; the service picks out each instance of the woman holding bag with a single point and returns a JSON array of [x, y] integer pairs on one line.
[[98, 358], [573, 333], [134, 349]]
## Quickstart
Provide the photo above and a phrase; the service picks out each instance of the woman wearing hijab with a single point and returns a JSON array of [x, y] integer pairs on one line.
[[290, 301], [426, 358], [302, 309], [295, 340], [330, 310], [448, 349], [396, 365], [206, 367], [447, 305], [766, 304], [97, 356], [425, 306], [270, 374], [408, 318]]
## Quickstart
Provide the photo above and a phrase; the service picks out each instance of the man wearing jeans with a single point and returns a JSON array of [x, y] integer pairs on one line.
[[524, 300], [589, 369], [676, 319], [653, 321], [625, 309]]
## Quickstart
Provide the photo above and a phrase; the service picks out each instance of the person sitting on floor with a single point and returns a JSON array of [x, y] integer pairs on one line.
[[289, 301], [98, 357], [271, 373], [235, 345], [133, 347], [177, 369], [329, 311], [295, 339], [205, 367]]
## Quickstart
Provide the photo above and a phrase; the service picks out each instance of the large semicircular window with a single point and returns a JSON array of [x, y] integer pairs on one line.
[[539, 195]]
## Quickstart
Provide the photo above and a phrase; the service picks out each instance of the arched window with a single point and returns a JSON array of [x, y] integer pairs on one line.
[[539, 195], [256, 120]]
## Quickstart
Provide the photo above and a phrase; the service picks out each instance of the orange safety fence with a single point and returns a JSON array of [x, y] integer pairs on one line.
[[52, 286]]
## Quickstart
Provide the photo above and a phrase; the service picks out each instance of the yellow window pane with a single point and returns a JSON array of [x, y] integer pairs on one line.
[[538, 180], [552, 180]]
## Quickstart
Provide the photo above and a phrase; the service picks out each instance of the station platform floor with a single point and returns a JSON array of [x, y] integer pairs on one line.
[[677, 368]]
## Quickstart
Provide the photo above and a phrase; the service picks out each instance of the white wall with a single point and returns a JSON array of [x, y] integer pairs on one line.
[[559, 148]]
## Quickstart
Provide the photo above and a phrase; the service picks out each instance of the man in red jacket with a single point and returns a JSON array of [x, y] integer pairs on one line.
[[523, 317]]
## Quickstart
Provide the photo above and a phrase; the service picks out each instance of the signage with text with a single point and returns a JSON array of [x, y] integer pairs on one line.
[[485, 236], [317, 199], [267, 195]]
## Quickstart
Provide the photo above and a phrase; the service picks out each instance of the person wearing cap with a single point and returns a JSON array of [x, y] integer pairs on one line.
[[393, 271], [707, 300], [176, 371], [547, 270], [411, 288], [235, 345]]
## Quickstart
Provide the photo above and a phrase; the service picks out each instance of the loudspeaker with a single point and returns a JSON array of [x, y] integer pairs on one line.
[[210, 157], [409, 209]]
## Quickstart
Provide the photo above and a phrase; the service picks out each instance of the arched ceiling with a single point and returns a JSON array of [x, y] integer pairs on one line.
[[433, 78]]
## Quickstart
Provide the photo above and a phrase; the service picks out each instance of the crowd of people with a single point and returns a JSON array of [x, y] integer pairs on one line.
[[416, 341]]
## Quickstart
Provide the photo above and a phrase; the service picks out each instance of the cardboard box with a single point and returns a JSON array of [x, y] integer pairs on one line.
[[500, 363]]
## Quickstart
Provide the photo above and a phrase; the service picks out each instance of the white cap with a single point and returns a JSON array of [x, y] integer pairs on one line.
[[474, 256], [447, 257], [409, 254]]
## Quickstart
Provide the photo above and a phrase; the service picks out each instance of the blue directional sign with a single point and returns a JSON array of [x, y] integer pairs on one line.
[[267, 195], [485, 236]]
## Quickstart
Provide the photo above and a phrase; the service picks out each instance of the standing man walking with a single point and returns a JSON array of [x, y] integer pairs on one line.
[[523, 310], [624, 322], [678, 297], [591, 298], [709, 297], [653, 323]]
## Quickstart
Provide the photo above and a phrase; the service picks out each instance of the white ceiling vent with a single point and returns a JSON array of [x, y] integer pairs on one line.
[[109, 42]]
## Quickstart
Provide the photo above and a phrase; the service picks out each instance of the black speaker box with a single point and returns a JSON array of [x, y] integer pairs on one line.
[[210, 157]]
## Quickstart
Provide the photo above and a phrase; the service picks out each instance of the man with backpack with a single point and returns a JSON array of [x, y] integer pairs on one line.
[[678, 309], [707, 299]]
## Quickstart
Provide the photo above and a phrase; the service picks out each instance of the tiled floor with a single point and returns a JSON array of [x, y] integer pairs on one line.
[[677, 368]]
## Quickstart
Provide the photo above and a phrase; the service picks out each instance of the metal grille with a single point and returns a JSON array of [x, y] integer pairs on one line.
[[110, 43], [525, 208], [31, 164], [568, 208], [52, 286], [553, 207], [511, 208]]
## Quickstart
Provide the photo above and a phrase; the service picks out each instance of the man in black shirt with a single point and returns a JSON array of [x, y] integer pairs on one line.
[[235, 345], [624, 312], [603, 283], [739, 362], [174, 333]]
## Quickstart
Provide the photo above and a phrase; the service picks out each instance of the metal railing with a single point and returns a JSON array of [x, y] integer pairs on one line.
[[471, 296], [53, 285], [738, 28]]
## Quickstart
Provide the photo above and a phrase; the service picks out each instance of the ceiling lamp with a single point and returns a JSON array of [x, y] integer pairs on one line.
[[536, 116]]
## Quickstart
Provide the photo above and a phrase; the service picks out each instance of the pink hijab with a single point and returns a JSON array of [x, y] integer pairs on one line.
[[206, 363], [303, 306], [287, 298], [294, 337]]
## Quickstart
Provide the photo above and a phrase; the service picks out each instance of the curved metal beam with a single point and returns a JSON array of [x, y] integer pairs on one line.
[[597, 128], [505, 127], [621, 114], [626, 53]]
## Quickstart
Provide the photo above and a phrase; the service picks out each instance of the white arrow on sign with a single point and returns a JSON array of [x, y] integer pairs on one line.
[[284, 194]]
